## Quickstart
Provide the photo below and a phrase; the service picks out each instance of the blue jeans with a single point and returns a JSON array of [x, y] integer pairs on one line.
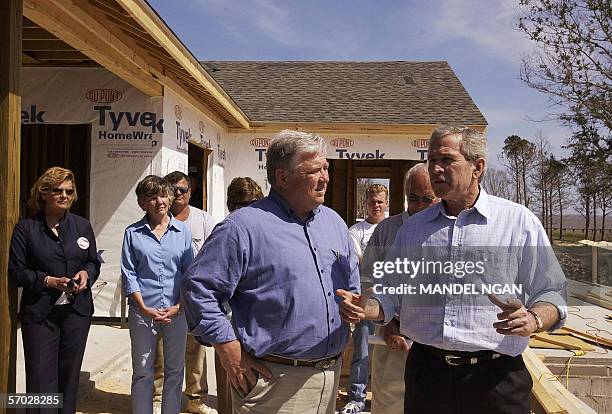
[[143, 336], [359, 365]]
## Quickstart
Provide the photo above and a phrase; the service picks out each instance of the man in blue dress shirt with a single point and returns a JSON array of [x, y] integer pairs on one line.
[[466, 354], [278, 263]]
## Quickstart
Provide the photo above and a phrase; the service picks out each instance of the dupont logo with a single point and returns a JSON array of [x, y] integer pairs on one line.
[[103, 95], [420, 143], [342, 142], [261, 142], [178, 112], [201, 126]]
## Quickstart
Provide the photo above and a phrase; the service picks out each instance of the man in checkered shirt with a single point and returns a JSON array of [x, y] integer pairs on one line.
[[466, 355]]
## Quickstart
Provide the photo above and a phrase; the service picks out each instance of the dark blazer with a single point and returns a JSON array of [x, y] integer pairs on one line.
[[37, 252]]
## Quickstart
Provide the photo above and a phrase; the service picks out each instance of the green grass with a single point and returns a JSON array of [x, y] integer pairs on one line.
[[575, 236]]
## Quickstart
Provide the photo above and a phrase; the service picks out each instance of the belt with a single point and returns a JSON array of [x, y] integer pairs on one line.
[[457, 358], [323, 363]]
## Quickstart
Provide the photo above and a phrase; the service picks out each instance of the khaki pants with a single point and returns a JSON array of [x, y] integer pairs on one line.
[[195, 369], [291, 390], [388, 368]]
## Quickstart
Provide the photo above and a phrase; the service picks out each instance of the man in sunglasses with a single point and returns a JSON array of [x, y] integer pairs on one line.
[[201, 225]]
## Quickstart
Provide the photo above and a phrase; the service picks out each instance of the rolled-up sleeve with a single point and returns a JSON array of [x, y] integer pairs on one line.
[[541, 273], [211, 280], [128, 266], [17, 269]]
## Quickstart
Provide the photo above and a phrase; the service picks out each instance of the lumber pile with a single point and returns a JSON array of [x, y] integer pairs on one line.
[[551, 396], [596, 298]]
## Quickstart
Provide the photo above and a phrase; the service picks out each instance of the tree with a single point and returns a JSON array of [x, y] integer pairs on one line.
[[517, 155], [558, 175], [497, 182], [591, 163], [539, 178], [572, 63]]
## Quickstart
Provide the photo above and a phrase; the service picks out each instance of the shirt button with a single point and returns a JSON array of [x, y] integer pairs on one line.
[[321, 270], [333, 320], [331, 345], [328, 293]]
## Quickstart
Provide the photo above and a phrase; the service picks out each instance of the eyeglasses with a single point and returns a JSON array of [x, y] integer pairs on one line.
[[425, 199], [58, 191], [182, 190]]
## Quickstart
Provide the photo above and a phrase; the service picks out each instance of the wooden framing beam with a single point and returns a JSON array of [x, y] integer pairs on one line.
[[180, 91], [46, 45], [146, 17], [66, 55], [68, 21], [10, 146], [36, 33], [550, 394], [347, 128]]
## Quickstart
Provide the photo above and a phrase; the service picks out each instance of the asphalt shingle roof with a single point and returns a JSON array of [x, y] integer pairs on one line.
[[347, 92]]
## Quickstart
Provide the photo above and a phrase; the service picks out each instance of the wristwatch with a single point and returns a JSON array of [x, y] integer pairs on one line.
[[538, 320]]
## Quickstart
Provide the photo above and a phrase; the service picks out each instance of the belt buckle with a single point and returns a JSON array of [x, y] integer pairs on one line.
[[449, 359], [325, 364]]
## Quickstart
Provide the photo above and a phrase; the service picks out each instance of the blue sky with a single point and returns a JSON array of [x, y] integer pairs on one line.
[[476, 37]]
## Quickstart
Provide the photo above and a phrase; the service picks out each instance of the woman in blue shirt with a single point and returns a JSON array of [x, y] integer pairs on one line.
[[156, 253]]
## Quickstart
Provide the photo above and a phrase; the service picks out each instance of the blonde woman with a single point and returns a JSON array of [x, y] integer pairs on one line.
[[53, 258]]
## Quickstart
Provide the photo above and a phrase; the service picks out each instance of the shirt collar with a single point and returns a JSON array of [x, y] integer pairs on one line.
[[145, 223], [275, 196], [43, 219], [481, 206]]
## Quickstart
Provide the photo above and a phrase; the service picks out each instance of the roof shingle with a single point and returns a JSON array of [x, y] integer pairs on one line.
[[347, 92]]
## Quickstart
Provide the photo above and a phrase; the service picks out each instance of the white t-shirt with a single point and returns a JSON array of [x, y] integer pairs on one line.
[[360, 235], [201, 225]]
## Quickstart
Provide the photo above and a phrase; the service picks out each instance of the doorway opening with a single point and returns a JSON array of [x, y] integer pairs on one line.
[[197, 170], [48, 145], [347, 176]]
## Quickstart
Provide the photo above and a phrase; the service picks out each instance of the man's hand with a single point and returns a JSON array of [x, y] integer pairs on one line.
[[393, 339], [515, 320], [355, 308], [240, 366], [81, 281]]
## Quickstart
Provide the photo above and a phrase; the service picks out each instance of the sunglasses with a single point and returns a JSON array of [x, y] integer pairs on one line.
[[182, 190], [424, 199], [58, 191]]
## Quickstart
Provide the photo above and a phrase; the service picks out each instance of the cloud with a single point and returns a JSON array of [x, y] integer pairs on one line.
[[485, 25], [264, 18]]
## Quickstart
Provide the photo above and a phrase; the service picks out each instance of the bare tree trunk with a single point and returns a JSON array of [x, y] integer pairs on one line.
[[604, 213], [524, 176], [594, 218], [560, 210], [587, 216], [550, 215]]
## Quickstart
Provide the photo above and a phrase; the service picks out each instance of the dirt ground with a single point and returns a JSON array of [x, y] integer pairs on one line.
[[112, 396]]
